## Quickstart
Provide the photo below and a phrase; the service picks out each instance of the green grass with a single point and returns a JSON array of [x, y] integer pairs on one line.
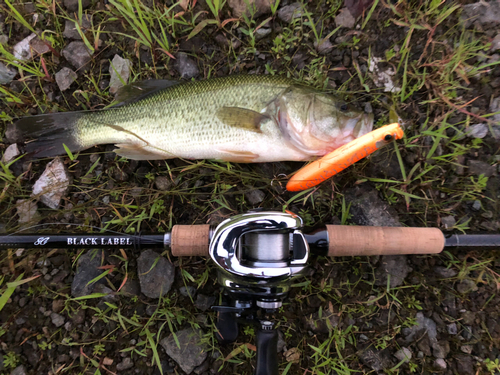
[[440, 68]]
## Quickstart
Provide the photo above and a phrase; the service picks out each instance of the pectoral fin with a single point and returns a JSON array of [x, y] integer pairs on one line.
[[238, 156], [242, 118]]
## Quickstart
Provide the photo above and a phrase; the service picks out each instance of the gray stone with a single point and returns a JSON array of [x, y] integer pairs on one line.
[[255, 197], [10, 153], [403, 354], [187, 291], [368, 209], [345, 19], [72, 5], [156, 274], [448, 222], [476, 205], [57, 320], [19, 370], [465, 364], [39, 46], [477, 131], [191, 351], [87, 271], [377, 360], [441, 349], [131, 287], [324, 46], [262, 33], [186, 66], [250, 8], [452, 328], [495, 43], [481, 14], [70, 30], [6, 74], [445, 272], [290, 12], [394, 268], [27, 211], [322, 322], [78, 55], [22, 50], [467, 333], [424, 324], [119, 71], [65, 77], [4, 39], [204, 302], [478, 167], [125, 364], [163, 183], [281, 341], [53, 184], [466, 286], [440, 364]]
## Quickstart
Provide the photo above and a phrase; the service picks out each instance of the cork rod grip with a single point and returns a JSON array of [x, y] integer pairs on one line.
[[345, 240], [190, 240]]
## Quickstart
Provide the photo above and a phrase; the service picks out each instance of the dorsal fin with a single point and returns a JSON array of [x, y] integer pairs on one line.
[[139, 90]]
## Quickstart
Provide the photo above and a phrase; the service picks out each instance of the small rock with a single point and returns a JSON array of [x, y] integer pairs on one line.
[[87, 270], [53, 184], [57, 320], [290, 12], [440, 364], [65, 77], [10, 153], [477, 131], [292, 355], [476, 205], [377, 360], [187, 291], [423, 324], [155, 281], [70, 30], [131, 287], [383, 78], [190, 353], [255, 197], [448, 222], [119, 71], [445, 272], [4, 39], [204, 302], [465, 365], [6, 74], [467, 286], [281, 341], [38, 46], [19, 370], [57, 305], [441, 349], [27, 211], [403, 354], [72, 5], [78, 55], [467, 349], [78, 317], [324, 46], [452, 328], [262, 33], [345, 19], [253, 8], [478, 167], [163, 183], [125, 364], [368, 209], [481, 14], [495, 43], [322, 323], [394, 267], [22, 50], [186, 66], [467, 333]]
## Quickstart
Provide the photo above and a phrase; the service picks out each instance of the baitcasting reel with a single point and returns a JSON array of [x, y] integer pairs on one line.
[[258, 254]]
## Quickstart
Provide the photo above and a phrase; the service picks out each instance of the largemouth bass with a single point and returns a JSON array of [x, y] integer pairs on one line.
[[237, 118]]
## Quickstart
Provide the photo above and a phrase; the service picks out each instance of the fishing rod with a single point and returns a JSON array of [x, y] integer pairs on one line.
[[258, 254]]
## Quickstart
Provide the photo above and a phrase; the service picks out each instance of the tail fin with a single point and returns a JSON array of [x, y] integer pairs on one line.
[[50, 132]]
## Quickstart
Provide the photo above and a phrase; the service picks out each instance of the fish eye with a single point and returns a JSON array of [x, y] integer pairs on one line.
[[388, 137], [344, 107]]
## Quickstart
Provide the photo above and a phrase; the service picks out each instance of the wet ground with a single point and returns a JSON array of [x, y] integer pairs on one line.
[[430, 65]]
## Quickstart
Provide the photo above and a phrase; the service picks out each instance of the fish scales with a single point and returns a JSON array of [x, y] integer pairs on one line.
[[238, 118]]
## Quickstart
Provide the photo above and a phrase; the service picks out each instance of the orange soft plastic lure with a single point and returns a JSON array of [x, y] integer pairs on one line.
[[338, 160]]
